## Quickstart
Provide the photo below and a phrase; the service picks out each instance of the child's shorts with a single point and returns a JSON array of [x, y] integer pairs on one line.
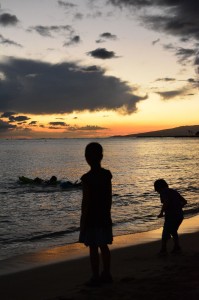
[[96, 236], [170, 228]]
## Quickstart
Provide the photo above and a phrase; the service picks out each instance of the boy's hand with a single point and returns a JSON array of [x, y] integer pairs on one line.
[[160, 215]]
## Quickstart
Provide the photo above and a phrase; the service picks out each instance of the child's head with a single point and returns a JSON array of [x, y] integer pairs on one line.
[[93, 153], [160, 184]]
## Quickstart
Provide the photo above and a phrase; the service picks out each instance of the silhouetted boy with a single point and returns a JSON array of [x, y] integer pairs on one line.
[[96, 223], [172, 204]]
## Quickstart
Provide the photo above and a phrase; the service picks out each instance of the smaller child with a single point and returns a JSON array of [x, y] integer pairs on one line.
[[172, 206]]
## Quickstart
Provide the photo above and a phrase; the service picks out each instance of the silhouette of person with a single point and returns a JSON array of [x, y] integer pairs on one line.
[[95, 222], [172, 204]]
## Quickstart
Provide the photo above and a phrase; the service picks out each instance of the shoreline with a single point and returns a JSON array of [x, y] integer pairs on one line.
[[74, 251], [138, 272]]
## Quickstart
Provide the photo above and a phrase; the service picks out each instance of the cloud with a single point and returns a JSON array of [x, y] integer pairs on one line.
[[48, 31], [8, 20], [7, 114], [184, 54], [33, 123], [176, 18], [66, 5], [93, 68], [102, 53], [18, 118], [74, 40], [58, 124], [8, 42], [12, 118], [166, 79], [155, 42], [167, 95], [86, 128], [106, 36], [61, 88], [5, 126]]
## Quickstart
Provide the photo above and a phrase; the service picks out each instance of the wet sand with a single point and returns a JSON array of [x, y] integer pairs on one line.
[[138, 272]]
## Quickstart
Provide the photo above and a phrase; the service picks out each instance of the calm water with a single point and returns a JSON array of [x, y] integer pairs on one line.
[[37, 217]]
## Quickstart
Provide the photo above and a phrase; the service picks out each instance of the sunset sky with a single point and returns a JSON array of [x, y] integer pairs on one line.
[[99, 68]]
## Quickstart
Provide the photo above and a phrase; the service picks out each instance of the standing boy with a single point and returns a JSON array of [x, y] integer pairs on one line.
[[96, 223]]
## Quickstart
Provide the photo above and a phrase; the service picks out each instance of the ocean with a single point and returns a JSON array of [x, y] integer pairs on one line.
[[35, 217]]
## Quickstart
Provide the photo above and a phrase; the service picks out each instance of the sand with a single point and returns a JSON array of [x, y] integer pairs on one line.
[[138, 272]]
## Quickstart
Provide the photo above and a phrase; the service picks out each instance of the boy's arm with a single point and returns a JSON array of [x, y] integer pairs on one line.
[[164, 200], [161, 214], [183, 201]]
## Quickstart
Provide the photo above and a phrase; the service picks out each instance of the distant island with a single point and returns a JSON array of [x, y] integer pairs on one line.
[[182, 131]]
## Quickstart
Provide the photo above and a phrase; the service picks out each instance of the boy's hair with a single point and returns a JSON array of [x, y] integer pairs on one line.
[[160, 184], [94, 151]]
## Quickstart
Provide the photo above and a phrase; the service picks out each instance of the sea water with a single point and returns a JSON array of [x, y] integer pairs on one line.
[[35, 217]]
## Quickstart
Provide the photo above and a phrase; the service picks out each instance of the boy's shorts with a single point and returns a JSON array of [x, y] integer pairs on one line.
[[96, 236], [170, 227]]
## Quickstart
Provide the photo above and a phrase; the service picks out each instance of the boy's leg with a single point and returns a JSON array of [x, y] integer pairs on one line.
[[106, 260], [94, 260], [165, 237], [174, 233]]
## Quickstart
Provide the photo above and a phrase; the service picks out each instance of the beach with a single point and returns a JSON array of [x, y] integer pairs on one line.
[[138, 272]]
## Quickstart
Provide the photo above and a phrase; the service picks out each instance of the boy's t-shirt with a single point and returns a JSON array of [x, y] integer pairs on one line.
[[173, 201], [97, 197]]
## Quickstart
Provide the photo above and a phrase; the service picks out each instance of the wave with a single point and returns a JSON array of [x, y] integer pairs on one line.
[[39, 237]]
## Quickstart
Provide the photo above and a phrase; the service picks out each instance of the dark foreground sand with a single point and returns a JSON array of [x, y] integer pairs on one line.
[[137, 271]]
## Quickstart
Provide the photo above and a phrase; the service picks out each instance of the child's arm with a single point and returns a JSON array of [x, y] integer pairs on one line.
[[84, 207], [161, 214], [183, 201], [164, 206]]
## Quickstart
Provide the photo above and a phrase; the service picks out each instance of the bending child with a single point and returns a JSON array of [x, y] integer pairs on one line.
[[96, 223], [172, 204]]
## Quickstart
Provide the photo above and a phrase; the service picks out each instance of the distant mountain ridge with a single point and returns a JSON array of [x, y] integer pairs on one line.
[[182, 131]]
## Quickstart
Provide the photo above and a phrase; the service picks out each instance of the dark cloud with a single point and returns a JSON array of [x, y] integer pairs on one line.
[[8, 19], [166, 79], [93, 68], [8, 42], [91, 128], [48, 31], [155, 42], [78, 16], [12, 118], [86, 128], [102, 53], [66, 5], [74, 40], [61, 88], [5, 126], [7, 114], [106, 36], [173, 17], [167, 95], [33, 123], [185, 54], [58, 124], [18, 118]]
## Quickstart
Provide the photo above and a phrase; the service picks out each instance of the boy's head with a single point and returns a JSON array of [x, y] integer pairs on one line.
[[93, 153], [160, 184]]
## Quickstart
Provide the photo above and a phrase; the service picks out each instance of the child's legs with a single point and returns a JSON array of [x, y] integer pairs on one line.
[[94, 260], [165, 235], [106, 258], [174, 230]]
